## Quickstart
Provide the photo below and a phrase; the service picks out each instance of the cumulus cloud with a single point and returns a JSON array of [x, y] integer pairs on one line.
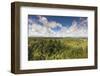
[[45, 28], [46, 23], [43, 20]]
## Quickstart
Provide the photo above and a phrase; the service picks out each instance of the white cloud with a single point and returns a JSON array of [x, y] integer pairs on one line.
[[44, 30], [53, 24], [43, 20]]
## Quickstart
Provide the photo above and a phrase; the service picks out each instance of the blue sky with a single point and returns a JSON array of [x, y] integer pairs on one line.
[[64, 20], [56, 23]]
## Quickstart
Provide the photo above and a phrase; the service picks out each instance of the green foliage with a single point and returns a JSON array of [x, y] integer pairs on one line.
[[53, 48]]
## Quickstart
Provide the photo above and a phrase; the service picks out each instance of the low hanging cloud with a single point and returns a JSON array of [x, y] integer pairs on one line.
[[45, 29]]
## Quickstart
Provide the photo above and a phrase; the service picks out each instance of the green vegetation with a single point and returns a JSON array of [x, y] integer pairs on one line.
[[57, 48]]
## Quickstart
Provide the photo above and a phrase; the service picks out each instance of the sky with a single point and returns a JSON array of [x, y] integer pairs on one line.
[[57, 26]]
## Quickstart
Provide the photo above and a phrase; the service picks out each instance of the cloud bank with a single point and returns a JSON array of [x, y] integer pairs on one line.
[[42, 27]]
